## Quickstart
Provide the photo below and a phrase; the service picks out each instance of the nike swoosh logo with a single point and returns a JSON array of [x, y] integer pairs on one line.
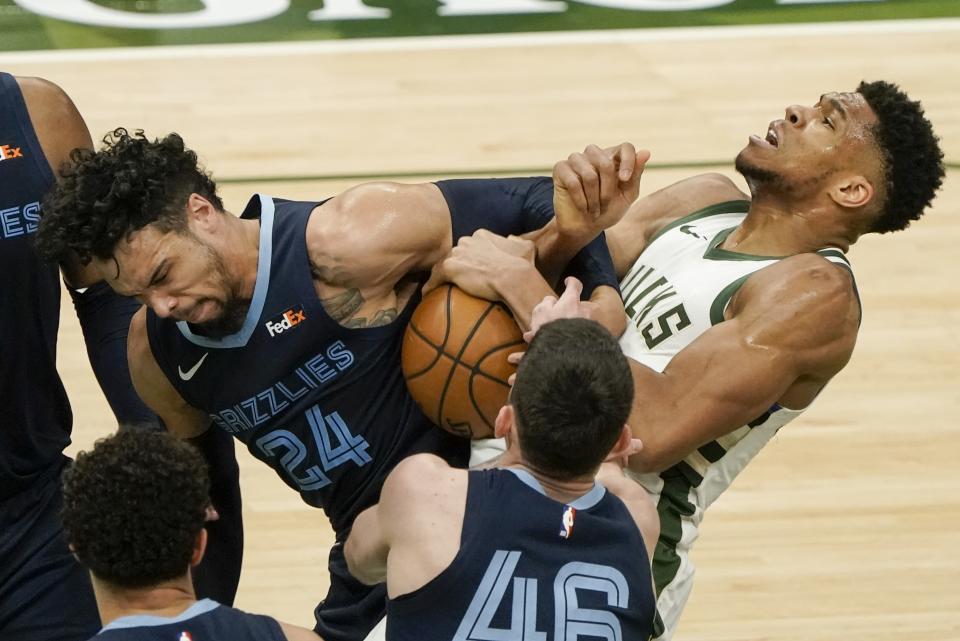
[[187, 375]]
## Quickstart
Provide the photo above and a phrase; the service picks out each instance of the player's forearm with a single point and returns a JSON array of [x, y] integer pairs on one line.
[[554, 250], [609, 310], [521, 286], [697, 400], [104, 318]]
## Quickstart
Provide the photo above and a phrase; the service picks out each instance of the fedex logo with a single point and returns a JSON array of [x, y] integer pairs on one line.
[[7, 152], [287, 320]]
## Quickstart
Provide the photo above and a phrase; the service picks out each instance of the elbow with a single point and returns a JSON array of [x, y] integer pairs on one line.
[[650, 461], [360, 571]]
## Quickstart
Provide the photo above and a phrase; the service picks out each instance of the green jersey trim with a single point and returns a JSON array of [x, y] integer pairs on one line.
[[672, 507], [726, 207], [720, 302], [714, 252]]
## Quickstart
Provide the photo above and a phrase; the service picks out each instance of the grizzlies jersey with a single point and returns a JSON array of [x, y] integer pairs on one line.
[[533, 569], [326, 406], [205, 620], [679, 288], [35, 418]]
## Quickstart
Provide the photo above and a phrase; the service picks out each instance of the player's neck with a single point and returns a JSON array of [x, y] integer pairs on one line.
[[774, 227], [241, 253], [565, 491], [167, 599]]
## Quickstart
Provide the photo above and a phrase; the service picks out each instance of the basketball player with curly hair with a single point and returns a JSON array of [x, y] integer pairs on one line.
[[283, 326], [134, 511], [742, 308]]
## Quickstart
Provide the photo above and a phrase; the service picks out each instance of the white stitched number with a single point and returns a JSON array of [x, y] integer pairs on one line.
[[570, 620], [333, 440]]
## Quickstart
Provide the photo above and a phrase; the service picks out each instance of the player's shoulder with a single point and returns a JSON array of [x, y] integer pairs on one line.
[[59, 126], [692, 196], [650, 215], [424, 485], [42, 90], [419, 474], [379, 199], [806, 299], [373, 215], [810, 273], [704, 190]]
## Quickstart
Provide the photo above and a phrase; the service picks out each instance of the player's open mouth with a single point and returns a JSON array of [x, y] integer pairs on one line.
[[772, 137]]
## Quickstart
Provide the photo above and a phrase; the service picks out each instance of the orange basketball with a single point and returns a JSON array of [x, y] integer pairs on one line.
[[455, 360]]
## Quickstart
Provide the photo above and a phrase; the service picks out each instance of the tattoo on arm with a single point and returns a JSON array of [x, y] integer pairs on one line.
[[382, 317], [342, 308]]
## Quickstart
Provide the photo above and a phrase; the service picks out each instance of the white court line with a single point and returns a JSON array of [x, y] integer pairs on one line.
[[486, 41]]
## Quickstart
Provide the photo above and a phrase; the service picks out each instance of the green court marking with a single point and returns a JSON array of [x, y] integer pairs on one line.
[[515, 171], [24, 30]]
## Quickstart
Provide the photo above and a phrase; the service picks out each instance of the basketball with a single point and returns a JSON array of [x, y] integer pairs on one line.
[[455, 360]]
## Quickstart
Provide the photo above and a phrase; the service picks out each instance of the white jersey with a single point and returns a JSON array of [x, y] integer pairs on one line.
[[678, 289]]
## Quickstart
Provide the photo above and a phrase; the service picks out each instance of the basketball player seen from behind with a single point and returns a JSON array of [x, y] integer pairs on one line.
[[534, 548], [740, 310], [134, 513]]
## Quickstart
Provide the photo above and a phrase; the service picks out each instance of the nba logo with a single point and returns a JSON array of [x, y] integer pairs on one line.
[[569, 514], [185, 636]]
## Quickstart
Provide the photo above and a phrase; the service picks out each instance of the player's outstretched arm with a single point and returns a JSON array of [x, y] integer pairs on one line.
[[152, 385], [366, 244], [790, 328]]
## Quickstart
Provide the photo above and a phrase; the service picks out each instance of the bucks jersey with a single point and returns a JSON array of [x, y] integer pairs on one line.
[[678, 289], [205, 620], [326, 406], [35, 418], [533, 569]]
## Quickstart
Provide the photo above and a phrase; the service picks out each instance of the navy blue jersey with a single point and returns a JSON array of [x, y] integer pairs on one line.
[[533, 569], [205, 620], [35, 418], [324, 405]]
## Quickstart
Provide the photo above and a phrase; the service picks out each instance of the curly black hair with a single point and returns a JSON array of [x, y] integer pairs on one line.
[[572, 397], [134, 506], [107, 195], [912, 159]]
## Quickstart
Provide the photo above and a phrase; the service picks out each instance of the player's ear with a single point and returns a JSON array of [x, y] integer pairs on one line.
[[852, 191], [625, 446], [201, 210], [199, 547], [504, 423]]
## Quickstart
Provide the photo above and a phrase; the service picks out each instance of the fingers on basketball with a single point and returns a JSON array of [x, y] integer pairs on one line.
[[455, 360]]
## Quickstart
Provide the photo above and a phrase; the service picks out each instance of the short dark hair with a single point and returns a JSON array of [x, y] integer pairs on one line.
[[912, 159], [107, 195], [572, 396], [134, 506]]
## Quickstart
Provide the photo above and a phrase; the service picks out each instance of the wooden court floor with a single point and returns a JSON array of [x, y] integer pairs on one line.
[[846, 526]]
